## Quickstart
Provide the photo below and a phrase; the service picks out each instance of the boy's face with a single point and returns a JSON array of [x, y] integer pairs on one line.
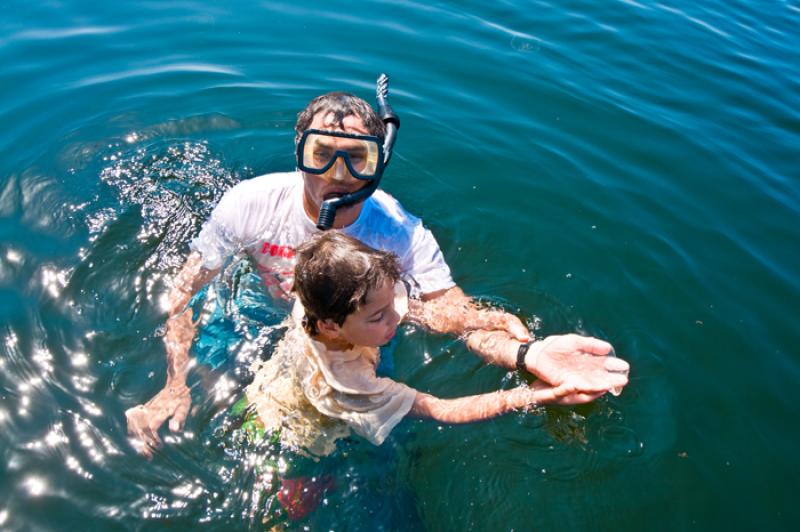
[[374, 323]]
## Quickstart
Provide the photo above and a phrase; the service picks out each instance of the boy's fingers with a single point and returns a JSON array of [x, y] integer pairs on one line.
[[564, 389], [516, 329]]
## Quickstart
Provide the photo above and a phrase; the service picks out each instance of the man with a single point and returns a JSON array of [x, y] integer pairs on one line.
[[340, 156]]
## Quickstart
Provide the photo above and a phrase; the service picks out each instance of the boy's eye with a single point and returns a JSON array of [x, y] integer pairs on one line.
[[376, 319]]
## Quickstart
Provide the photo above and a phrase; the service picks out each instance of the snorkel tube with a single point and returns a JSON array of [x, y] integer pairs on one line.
[[327, 212]]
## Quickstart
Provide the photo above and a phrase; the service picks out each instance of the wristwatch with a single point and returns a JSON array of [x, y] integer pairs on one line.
[[521, 352]]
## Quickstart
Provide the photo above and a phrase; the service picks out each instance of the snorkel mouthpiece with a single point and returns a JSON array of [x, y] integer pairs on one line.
[[327, 212]]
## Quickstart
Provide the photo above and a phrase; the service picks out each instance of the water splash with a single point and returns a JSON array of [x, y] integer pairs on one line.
[[174, 186]]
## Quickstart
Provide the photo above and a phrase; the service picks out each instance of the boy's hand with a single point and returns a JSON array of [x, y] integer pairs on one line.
[[581, 363], [561, 395]]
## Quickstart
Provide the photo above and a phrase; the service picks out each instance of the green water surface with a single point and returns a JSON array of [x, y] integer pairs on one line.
[[624, 169]]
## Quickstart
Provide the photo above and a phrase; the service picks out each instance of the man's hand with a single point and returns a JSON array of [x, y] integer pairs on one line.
[[498, 320], [174, 400], [579, 362], [579, 366], [145, 420]]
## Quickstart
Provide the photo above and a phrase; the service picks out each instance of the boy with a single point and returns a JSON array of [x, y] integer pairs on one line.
[[320, 383]]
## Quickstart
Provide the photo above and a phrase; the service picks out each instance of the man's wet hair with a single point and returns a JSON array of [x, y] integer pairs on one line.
[[338, 105], [334, 275]]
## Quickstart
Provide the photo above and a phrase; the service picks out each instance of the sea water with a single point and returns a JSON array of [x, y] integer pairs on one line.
[[624, 169]]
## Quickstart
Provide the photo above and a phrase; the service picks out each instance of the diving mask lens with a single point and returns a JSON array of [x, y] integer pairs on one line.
[[318, 151]]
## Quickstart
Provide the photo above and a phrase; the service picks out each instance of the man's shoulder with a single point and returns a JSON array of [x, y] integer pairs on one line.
[[385, 224], [251, 204], [266, 184], [388, 208]]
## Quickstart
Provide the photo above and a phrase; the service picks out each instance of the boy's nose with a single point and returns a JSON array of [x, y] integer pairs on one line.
[[395, 316]]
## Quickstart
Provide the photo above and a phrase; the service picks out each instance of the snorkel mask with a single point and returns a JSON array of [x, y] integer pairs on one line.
[[363, 155]]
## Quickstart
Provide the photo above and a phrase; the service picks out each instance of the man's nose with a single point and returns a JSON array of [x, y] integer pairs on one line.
[[340, 171]]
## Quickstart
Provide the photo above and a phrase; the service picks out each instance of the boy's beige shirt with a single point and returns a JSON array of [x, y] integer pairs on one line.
[[339, 385]]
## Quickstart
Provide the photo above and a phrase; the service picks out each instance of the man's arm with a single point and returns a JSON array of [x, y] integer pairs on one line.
[[579, 362], [174, 400], [451, 311]]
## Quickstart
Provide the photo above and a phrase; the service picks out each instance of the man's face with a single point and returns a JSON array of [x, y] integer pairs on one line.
[[337, 181]]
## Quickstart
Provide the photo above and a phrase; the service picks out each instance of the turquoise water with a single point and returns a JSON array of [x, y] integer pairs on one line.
[[622, 169]]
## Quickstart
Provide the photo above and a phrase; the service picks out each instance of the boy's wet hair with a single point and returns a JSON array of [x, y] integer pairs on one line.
[[339, 105], [334, 275]]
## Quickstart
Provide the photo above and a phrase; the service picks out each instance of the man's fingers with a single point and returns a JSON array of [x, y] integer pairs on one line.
[[138, 426], [151, 437], [592, 383], [615, 364], [593, 346], [141, 435], [179, 417], [617, 380], [141, 447]]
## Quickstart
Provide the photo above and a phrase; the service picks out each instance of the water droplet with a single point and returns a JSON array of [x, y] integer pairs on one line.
[[79, 360], [35, 486]]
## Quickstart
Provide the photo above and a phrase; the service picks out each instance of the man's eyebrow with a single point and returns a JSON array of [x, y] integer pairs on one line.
[[323, 142]]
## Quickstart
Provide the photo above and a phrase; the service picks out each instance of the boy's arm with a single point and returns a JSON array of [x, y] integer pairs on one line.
[[489, 405], [174, 400]]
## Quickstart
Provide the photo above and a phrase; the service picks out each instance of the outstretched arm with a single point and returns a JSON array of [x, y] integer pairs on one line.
[[489, 405], [174, 400]]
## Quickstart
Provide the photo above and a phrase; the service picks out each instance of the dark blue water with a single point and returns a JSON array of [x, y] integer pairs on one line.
[[622, 169]]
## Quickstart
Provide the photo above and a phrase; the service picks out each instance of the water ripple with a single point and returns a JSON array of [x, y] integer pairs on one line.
[[46, 34], [203, 68]]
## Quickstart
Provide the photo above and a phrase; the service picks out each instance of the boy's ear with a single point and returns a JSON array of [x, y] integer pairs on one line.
[[328, 328]]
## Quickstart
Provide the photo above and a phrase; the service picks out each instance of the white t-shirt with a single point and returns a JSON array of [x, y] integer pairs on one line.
[[265, 217]]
